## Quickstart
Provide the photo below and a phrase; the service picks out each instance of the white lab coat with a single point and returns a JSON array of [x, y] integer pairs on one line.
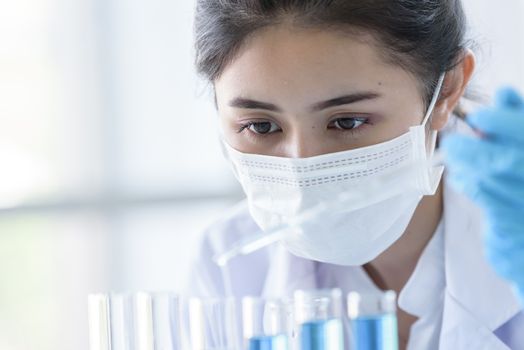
[[460, 301]]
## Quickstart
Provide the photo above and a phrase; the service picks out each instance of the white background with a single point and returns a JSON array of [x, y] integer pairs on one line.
[[109, 162]]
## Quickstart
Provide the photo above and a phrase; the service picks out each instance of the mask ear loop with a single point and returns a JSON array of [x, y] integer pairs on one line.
[[429, 180], [432, 104], [435, 98]]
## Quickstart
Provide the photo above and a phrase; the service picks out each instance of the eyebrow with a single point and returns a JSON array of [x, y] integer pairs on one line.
[[246, 103], [345, 100]]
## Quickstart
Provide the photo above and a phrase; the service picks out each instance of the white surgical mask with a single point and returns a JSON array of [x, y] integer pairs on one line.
[[394, 175]]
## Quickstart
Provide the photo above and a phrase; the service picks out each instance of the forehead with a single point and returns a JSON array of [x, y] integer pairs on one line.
[[290, 61]]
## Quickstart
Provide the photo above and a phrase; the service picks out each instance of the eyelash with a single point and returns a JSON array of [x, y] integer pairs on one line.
[[355, 119], [247, 125]]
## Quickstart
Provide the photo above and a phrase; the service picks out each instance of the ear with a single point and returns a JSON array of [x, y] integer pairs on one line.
[[452, 90]]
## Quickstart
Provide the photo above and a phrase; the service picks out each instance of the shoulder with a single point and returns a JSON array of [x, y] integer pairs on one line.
[[467, 269]]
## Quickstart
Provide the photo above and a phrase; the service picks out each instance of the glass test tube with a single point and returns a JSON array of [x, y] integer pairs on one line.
[[267, 323], [140, 321], [99, 322], [167, 325], [122, 321], [373, 320], [213, 324], [319, 316]]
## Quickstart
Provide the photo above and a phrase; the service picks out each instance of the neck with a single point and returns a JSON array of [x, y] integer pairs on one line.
[[392, 268]]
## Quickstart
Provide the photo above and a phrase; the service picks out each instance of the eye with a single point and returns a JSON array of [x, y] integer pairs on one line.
[[348, 123], [261, 128]]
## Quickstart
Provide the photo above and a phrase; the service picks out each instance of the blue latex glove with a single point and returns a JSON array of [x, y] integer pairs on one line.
[[490, 170]]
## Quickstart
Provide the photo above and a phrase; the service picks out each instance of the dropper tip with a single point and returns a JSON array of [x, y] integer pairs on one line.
[[221, 260]]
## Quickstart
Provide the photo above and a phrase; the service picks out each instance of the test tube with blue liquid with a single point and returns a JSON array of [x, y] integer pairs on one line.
[[373, 320], [267, 323], [318, 314]]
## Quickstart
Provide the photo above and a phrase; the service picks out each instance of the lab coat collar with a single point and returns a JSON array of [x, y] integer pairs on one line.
[[476, 300]]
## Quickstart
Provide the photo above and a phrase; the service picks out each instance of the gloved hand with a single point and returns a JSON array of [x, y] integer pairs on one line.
[[490, 170]]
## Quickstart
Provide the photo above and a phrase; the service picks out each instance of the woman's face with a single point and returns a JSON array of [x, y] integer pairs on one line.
[[300, 93]]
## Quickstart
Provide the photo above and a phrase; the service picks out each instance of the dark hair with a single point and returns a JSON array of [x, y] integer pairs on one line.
[[424, 37]]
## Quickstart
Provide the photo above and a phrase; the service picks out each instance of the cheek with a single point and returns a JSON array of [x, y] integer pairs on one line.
[[396, 122]]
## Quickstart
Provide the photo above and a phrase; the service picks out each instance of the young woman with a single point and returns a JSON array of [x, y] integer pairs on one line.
[[318, 98]]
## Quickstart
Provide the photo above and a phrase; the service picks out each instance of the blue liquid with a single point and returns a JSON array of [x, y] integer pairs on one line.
[[276, 342], [322, 335], [375, 332]]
